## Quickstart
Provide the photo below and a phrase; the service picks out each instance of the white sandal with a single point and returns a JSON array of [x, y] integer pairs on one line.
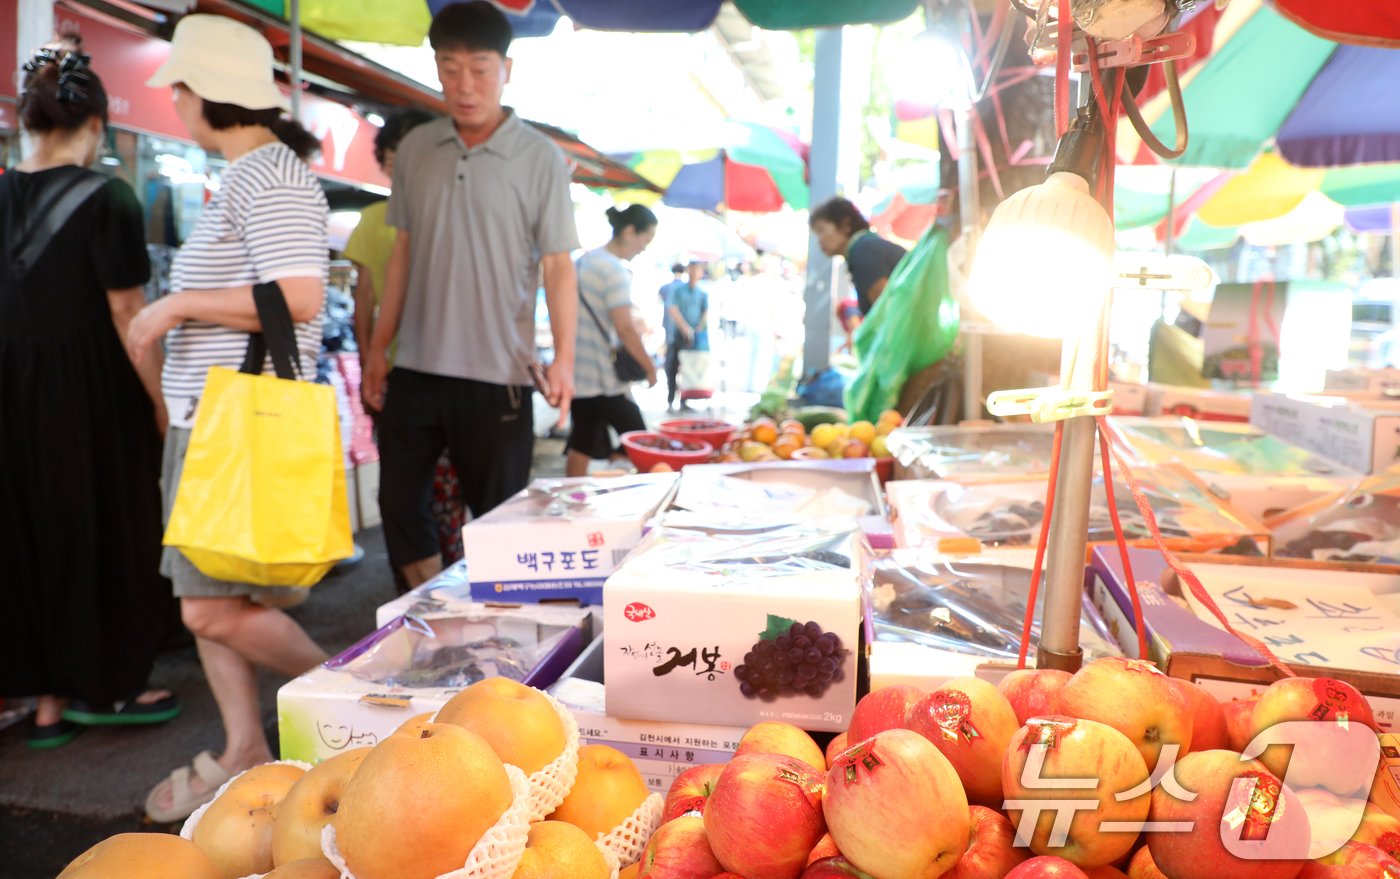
[[183, 800]]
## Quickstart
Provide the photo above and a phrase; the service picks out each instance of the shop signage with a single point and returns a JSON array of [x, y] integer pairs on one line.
[[125, 60], [9, 60]]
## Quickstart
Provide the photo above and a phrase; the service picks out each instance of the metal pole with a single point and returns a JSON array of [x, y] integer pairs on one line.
[[825, 162], [294, 11], [970, 213], [1067, 542], [1169, 240]]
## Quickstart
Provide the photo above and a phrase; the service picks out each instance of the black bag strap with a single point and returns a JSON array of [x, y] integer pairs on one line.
[[56, 211], [278, 336]]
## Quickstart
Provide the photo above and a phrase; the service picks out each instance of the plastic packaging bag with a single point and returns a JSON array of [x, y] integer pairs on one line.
[[998, 452], [975, 607], [912, 326], [1361, 526]]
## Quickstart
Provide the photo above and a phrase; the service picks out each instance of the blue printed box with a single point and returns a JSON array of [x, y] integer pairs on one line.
[[561, 538]]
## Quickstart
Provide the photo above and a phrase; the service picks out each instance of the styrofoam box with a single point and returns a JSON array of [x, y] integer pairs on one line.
[[661, 750], [689, 605], [339, 704], [1363, 437], [560, 538]]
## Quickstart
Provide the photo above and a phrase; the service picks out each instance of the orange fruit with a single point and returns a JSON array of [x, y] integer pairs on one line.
[[556, 850], [517, 721], [608, 790], [765, 432], [822, 435], [785, 446], [863, 431]]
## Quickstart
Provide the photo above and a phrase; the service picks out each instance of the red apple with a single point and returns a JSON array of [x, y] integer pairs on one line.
[[1047, 868], [727, 875], [1239, 723], [1324, 761], [971, 722], [1208, 731], [834, 868], [678, 850], [1105, 872], [1133, 697], [825, 848], [896, 808], [836, 746], [776, 737], [765, 815], [882, 710], [691, 790], [1356, 861], [1092, 754], [1143, 867], [1255, 811], [991, 852], [1032, 691], [1379, 829]]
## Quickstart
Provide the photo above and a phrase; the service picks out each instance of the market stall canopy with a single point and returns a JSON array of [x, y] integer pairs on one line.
[[1365, 24], [757, 169], [591, 167], [1269, 81], [405, 22]]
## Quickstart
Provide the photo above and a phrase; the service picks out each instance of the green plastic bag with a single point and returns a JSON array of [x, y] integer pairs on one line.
[[912, 326]]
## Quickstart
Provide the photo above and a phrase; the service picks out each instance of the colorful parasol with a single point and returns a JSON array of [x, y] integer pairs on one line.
[[1270, 81], [405, 22], [758, 170]]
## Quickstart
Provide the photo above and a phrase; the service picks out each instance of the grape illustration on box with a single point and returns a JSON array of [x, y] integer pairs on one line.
[[791, 658]]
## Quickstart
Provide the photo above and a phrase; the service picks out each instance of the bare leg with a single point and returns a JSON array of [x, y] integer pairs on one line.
[[234, 635], [49, 710], [577, 464], [419, 572]]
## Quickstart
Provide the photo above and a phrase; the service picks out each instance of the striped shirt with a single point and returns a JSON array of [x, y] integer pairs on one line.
[[604, 283], [266, 223]]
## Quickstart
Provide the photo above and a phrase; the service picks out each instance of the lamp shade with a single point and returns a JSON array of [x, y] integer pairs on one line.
[[1044, 263]]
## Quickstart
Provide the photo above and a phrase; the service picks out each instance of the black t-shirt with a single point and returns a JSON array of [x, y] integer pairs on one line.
[[871, 259], [100, 247]]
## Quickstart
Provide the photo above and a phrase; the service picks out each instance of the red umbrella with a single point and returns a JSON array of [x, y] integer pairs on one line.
[[1347, 21]]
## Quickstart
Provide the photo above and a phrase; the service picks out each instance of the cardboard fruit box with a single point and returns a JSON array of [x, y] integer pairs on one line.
[[661, 750], [415, 664], [1319, 621], [1364, 436], [703, 625], [560, 539]]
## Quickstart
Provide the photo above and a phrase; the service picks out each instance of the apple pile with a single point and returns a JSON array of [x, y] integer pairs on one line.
[[413, 806], [1140, 776]]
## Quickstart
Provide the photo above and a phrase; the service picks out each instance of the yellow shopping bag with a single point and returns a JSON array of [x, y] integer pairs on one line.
[[262, 495]]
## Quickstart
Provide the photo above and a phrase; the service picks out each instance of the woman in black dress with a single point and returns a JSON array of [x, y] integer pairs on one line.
[[79, 427]]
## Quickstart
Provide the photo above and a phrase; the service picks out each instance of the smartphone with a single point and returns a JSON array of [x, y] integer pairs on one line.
[[540, 379]]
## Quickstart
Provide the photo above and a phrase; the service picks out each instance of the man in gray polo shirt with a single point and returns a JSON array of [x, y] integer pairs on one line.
[[482, 207]]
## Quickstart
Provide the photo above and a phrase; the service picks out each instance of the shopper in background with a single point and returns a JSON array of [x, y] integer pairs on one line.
[[667, 325], [369, 248], [842, 230], [690, 314], [481, 201], [79, 426], [266, 223], [603, 402]]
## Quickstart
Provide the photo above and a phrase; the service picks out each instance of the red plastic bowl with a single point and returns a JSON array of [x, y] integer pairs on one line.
[[647, 449], [707, 430]]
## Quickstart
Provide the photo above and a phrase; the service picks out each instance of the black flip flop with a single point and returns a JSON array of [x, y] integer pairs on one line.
[[127, 713], [52, 735]]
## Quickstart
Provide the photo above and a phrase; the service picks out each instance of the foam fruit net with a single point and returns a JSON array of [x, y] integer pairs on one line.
[[497, 853], [550, 785], [624, 844]]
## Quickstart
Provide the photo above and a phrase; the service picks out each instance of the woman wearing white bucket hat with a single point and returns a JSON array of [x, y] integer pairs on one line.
[[266, 223]]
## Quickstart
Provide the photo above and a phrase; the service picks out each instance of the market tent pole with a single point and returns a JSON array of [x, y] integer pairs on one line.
[[294, 13], [970, 210], [825, 162]]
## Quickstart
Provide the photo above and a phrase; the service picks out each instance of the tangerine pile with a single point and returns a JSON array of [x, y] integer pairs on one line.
[[767, 440]]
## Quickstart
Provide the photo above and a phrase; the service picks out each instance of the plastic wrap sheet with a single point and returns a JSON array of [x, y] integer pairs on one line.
[[1009, 514], [1220, 447], [444, 652], [701, 543], [1001, 452], [974, 607], [614, 498], [1359, 526]]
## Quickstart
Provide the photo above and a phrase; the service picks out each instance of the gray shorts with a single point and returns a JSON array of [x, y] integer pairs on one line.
[[189, 581]]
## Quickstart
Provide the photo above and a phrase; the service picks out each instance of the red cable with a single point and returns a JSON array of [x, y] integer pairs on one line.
[[1038, 567], [1191, 580]]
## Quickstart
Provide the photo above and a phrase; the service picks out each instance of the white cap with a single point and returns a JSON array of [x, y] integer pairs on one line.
[[222, 61]]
